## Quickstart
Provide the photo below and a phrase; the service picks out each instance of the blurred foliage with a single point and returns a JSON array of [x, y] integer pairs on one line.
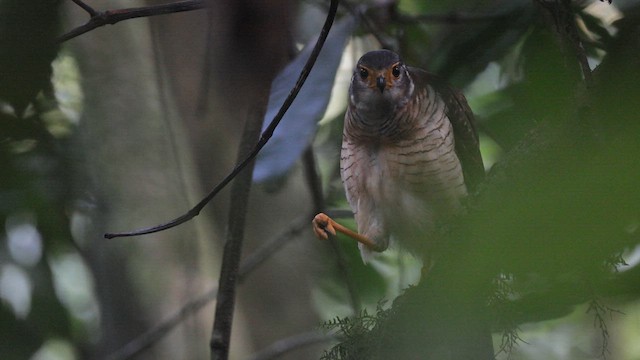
[[560, 207], [33, 189], [27, 41], [544, 234], [34, 182]]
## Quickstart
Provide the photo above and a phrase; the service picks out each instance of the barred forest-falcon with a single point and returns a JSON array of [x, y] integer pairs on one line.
[[410, 154]]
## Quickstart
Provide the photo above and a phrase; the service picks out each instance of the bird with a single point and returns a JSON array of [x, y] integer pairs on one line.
[[410, 156]]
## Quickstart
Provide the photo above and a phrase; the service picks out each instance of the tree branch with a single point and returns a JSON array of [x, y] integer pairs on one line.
[[225, 304], [264, 138], [86, 8], [110, 17]]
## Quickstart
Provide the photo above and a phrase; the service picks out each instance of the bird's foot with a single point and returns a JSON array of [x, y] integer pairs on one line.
[[323, 225]]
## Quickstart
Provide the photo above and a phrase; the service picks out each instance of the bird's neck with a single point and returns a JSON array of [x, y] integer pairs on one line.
[[372, 108], [376, 123], [372, 120]]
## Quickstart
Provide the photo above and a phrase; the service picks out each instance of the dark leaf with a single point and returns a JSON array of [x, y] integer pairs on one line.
[[298, 126], [459, 52], [28, 46]]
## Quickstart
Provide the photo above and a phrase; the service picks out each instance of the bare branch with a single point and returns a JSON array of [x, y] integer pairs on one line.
[[146, 340], [110, 17], [266, 250], [252, 262], [229, 272], [264, 138], [86, 8], [600, 312]]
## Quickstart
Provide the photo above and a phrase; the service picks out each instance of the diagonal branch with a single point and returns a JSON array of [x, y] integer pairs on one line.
[[86, 8], [252, 262], [283, 346], [110, 17], [264, 138]]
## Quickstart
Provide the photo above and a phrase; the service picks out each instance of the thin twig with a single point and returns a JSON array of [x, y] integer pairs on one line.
[[146, 340], [264, 138], [266, 250], [339, 213], [600, 312], [86, 7], [283, 346], [252, 262], [313, 180], [110, 17]]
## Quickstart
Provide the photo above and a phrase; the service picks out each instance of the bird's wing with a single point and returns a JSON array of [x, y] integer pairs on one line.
[[467, 145], [348, 171]]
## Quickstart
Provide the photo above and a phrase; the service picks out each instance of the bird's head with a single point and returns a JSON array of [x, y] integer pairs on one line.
[[380, 82]]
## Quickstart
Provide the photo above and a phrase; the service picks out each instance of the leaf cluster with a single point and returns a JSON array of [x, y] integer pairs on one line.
[[545, 229], [357, 334]]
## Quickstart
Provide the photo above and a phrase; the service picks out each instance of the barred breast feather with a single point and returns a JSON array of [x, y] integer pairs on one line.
[[415, 167]]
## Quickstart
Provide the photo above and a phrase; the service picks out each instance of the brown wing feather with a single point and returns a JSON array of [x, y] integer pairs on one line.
[[467, 145]]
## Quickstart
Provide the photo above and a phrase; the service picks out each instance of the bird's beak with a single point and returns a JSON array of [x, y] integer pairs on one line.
[[381, 83]]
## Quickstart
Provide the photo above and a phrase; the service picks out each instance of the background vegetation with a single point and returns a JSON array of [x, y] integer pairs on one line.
[[131, 125]]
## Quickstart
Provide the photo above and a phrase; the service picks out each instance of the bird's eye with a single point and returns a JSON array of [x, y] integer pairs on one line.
[[395, 71], [364, 73]]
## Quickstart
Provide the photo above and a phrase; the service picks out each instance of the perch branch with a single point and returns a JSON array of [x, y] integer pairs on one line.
[[111, 17], [264, 138]]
